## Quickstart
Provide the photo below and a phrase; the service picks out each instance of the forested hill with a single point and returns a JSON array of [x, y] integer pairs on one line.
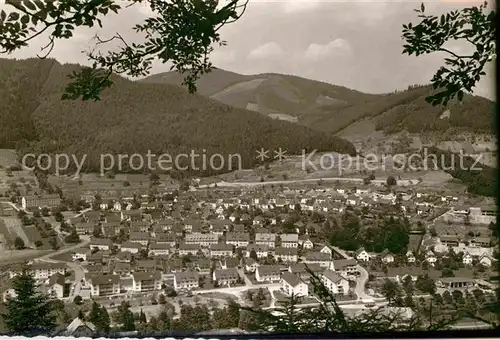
[[135, 117], [331, 108]]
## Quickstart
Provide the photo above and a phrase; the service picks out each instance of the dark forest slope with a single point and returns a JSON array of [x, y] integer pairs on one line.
[[136, 117]]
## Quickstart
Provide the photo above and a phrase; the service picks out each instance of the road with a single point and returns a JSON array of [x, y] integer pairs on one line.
[[401, 182], [361, 281], [85, 242], [75, 266], [242, 274]]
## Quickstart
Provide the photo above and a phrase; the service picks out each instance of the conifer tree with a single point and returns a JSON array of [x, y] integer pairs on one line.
[[29, 312]]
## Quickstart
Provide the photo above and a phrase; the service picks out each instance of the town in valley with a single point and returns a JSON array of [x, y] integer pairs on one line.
[[155, 244]]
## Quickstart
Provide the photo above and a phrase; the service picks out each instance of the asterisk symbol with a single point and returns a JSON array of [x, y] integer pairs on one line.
[[280, 154], [262, 154]]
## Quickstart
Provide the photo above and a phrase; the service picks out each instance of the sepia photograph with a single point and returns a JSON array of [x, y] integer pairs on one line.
[[248, 168]]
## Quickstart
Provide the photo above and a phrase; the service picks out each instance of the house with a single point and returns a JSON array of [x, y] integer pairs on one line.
[[486, 260], [166, 238], [326, 250], [186, 280], [140, 226], [449, 240], [301, 270], [146, 281], [229, 262], [467, 259], [346, 268], [238, 239], [80, 253], [38, 202], [84, 228], [131, 247], [79, 328], [455, 283], [305, 242], [188, 249], [140, 237], [362, 255], [56, 286], [410, 258], [480, 242], [100, 243], [258, 220], [293, 285], [131, 215], [430, 258], [268, 273], [323, 259], [44, 270], [289, 240], [335, 283], [251, 265], [159, 249], [387, 257], [122, 269], [261, 251], [201, 239], [221, 250], [286, 255], [102, 285], [265, 239], [226, 277]]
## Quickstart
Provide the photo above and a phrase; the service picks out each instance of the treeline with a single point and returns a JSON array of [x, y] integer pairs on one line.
[[20, 86], [479, 178], [386, 233], [363, 108], [138, 117], [473, 114]]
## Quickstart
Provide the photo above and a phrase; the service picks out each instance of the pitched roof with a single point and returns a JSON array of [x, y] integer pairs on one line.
[[291, 279]]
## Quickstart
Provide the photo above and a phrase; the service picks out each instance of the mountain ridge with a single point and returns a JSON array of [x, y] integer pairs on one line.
[[332, 108], [134, 117]]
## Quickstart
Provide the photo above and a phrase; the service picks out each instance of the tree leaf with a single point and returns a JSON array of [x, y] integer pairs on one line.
[[29, 5]]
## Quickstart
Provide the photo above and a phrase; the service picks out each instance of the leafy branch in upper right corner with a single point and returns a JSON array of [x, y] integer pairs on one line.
[[460, 72]]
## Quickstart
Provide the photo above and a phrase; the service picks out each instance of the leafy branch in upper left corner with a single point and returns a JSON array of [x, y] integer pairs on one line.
[[180, 31]]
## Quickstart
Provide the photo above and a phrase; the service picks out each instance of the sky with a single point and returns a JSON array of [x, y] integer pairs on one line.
[[356, 44]]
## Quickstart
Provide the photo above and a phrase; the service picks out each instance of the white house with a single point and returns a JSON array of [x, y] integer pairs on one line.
[[101, 285], [146, 281], [101, 243], [80, 253], [56, 286], [268, 273], [362, 255], [486, 260], [335, 283], [387, 257], [467, 259], [410, 257], [292, 285], [430, 258], [289, 240], [307, 244], [159, 249], [186, 280], [326, 250]]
